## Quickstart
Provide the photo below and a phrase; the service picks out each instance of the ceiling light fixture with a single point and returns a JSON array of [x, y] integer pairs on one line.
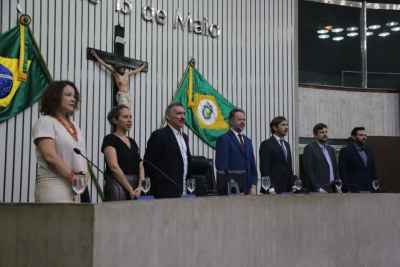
[[337, 30], [338, 38], [323, 36], [322, 31], [391, 24], [369, 33], [350, 29], [374, 27], [351, 34], [396, 29], [384, 34]]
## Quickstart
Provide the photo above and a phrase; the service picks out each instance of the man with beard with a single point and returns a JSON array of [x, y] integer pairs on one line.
[[320, 164], [167, 160], [276, 158], [357, 163], [234, 151], [121, 78]]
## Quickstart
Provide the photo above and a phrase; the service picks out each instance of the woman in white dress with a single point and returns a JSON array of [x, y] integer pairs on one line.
[[55, 136]]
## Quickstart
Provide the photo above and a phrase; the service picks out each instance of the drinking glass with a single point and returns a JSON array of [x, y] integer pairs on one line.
[[375, 184], [339, 184], [191, 185], [265, 182], [298, 184], [78, 185], [145, 185]]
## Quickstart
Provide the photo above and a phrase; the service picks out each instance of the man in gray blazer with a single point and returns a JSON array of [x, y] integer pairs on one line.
[[320, 164]]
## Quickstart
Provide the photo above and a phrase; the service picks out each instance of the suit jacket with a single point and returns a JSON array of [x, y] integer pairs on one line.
[[163, 151], [230, 156], [316, 166], [353, 171], [274, 165]]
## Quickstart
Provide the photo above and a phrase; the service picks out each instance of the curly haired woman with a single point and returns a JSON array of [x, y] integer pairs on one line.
[[55, 136]]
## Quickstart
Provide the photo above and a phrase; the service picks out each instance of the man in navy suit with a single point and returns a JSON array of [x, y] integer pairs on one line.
[[234, 151], [276, 158], [168, 150], [357, 163], [320, 164]]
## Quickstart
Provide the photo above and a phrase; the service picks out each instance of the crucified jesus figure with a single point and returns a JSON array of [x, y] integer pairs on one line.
[[121, 78]]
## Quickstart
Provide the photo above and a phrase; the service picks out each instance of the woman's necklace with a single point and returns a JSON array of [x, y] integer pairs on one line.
[[71, 130]]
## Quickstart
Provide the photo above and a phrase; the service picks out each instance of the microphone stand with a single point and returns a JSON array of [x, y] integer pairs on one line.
[[108, 178], [179, 188]]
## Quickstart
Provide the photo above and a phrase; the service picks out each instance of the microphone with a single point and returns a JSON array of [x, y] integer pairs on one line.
[[179, 188], [77, 151]]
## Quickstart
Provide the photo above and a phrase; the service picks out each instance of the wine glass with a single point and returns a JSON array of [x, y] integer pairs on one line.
[[191, 185], [265, 182], [338, 184], [78, 185], [375, 184], [145, 185], [298, 184]]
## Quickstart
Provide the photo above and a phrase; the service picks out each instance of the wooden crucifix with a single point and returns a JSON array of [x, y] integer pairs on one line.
[[120, 87]]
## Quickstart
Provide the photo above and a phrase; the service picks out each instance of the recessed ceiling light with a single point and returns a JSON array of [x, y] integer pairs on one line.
[[374, 27], [322, 31], [337, 30], [396, 29], [351, 34], [350, 29], [369, 33], [338, 38], [384, 34], [323, 36], [393, 23]]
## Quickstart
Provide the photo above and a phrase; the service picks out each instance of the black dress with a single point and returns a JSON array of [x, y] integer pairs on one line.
[[128, 160]]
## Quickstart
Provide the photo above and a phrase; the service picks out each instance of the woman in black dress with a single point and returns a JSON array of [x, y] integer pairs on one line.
[[123, 163]]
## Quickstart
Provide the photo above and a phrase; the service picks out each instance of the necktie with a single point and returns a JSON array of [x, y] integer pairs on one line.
[[241, 141], [363, 157], [283, 148]]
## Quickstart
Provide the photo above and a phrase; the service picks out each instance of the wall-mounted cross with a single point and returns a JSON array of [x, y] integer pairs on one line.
[[120, 87]]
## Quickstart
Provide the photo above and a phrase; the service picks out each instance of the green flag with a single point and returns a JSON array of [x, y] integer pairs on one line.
[[207, 111], [23, 74]]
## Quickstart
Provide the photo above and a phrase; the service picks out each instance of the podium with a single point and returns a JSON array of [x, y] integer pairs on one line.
[[280, 230]]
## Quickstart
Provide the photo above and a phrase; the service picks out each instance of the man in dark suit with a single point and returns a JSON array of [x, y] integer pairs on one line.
[[234, 151], [320, 164], [357, 163], [276, 158], [168, 150]]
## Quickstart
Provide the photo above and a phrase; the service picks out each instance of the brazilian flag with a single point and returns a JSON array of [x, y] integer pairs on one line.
[[207, 111], [23, 73]]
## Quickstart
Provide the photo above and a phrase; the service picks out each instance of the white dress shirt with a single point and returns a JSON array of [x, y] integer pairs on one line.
[[183, 148]]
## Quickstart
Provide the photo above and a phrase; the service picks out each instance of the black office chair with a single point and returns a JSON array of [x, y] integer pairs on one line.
[[203, 173]]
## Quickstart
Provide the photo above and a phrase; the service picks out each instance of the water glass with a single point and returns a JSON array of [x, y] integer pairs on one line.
[[338, 184], [78, 185], [145, 185], [191, 185], [298, 184], [265, 182], [375, 184]]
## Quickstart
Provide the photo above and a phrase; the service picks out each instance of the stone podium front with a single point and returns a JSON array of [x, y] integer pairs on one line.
[[284, 230]]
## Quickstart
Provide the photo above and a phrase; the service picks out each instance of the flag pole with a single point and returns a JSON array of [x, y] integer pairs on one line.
[[192, 63]]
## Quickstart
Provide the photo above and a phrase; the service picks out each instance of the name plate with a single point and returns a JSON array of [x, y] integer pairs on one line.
[[287, 193], [145, 197], [315, 193], [365, 192], [188, 196]]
